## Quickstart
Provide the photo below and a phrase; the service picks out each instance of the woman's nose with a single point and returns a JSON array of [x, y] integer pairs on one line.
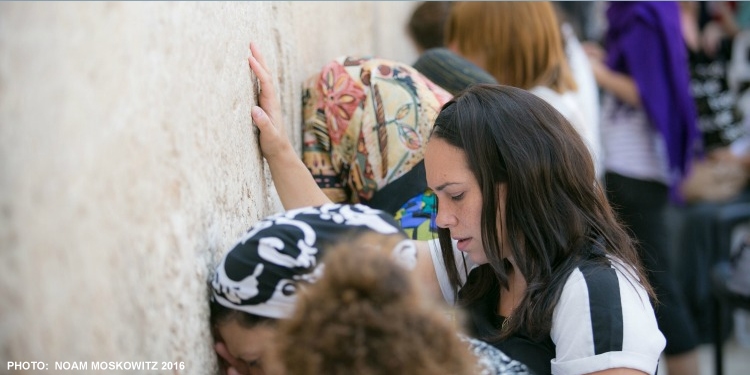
[[445, 218]]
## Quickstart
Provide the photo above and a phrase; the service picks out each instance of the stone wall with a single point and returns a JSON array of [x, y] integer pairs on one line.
[[128, 164]]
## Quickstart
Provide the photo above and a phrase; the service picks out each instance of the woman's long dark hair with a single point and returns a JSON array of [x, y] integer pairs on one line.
[[555, 210]]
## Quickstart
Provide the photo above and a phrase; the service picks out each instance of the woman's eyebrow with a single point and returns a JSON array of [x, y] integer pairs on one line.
[[443, 186]]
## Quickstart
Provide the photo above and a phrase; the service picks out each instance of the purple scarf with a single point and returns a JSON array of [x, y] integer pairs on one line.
[[644, 41]]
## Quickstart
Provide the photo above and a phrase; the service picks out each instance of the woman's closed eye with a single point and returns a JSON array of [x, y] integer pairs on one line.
[[457, 197]]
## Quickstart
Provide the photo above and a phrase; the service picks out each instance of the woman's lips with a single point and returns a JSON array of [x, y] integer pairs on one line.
[[463, 244]]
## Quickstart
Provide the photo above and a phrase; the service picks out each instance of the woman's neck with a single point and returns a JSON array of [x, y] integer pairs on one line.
[[511, 297]]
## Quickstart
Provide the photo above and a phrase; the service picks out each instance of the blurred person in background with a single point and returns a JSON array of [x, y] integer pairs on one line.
[[717, 179], [650, 137], [520, 44]]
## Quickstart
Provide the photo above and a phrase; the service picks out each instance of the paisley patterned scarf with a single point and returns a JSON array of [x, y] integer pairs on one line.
[[366, 123]]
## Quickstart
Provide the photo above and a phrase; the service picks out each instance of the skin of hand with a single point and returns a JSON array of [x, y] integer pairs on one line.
[[711, 38], [596, 56], [294, 183], [273, 139], [621, 85]]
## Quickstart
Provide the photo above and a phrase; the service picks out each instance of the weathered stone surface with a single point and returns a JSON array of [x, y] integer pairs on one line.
[[128, 164]]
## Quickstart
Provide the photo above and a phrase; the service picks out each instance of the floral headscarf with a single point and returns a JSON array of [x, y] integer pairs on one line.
[[366, 124]]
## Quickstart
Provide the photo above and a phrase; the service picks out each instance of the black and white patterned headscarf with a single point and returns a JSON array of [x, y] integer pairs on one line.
[[260, 273]]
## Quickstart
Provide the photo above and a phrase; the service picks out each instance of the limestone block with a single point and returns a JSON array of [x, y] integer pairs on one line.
[[128, 163]]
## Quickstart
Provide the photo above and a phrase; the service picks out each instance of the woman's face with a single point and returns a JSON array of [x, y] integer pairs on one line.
[[249, 345], [459, 196]]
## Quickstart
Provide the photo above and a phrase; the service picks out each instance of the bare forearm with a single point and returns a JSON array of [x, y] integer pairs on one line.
[[294, 183], [620, 85]]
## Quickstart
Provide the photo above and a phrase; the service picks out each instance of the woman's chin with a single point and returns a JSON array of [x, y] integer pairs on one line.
[[477, 257]]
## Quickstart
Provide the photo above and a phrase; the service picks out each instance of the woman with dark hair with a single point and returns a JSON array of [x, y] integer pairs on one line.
[[649, 138], [528, 245], [518, 195]]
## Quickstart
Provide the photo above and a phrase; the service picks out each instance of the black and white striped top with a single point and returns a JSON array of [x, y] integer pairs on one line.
[[603, 320]]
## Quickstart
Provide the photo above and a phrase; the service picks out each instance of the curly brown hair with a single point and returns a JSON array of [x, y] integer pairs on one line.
[[366, 316]]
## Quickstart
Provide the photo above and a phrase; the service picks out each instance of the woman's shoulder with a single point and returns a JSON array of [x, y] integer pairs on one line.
[[609, 285], [618, 309], [604, 274]]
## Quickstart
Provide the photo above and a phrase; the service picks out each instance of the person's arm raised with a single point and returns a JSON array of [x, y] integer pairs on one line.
[[620, 85], [294, 183]]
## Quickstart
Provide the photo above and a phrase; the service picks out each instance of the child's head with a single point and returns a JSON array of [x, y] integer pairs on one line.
[[256, 283], [366, 315]]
